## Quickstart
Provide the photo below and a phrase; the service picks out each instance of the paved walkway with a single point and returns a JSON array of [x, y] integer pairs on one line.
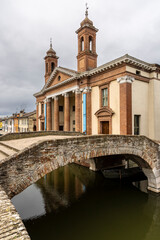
[[9, 148]]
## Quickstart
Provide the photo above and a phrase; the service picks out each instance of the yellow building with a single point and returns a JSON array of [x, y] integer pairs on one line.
[[0, 124]]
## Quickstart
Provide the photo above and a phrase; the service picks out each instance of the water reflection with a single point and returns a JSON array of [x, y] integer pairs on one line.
[[29, 203], [141, 185], [55, 190], [75, 203]]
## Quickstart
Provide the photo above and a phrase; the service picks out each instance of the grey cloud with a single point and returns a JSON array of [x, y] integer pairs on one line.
[[125, 26]]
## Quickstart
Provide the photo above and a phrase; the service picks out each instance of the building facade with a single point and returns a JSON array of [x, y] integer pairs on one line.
[[119, 97], [20, 122], [27, 122]]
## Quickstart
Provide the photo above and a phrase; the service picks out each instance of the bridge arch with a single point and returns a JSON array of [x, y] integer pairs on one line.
[[26, 167]]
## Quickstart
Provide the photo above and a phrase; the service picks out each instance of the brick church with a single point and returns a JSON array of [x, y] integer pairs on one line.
[[119, 97]]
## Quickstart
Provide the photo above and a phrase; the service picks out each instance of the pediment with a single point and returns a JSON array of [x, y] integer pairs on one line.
[[58, 78], [104, 112]]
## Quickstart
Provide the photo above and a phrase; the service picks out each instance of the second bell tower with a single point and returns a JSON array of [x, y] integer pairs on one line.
[[87, 56]]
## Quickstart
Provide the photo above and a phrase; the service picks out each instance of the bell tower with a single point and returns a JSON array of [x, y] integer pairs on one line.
[[51, 61], [87, 56]]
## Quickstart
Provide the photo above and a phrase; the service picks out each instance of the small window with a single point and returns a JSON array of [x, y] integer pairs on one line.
[[61, 128], [42, 108], [73, 108], [73, 122], [60, 108], [105, 97], [73, 129], [136, 124], [138, 72], [46, 67], [82, 44], [90, 44], [59, 78], [52, 66]]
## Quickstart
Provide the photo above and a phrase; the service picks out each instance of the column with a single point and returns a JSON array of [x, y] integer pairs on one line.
[[37, 115], [56, 114], [77, 110], [66, 113], [84, 127], [45, 116], [89, 117], [125, 104], [49, 115]]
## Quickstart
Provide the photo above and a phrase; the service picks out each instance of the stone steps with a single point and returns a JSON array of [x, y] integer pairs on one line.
[[6, 150], [2, 155]]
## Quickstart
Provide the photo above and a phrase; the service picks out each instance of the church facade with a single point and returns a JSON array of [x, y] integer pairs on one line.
[[119, 97]]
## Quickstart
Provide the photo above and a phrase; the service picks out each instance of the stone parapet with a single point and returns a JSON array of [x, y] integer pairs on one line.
[[11, 225], [12, 136]]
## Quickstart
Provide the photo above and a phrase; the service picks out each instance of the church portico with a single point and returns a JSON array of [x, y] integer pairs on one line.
[[60, 111]]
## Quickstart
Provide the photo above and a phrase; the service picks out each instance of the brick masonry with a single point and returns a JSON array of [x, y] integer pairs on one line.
[[126, 108], [26, 167]]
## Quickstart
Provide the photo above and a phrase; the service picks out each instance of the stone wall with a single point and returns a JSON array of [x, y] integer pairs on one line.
[[12, 136], [27, 166], [11, 225]]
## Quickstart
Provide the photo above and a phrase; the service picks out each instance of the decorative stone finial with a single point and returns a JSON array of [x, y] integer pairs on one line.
[[50, 42], [86, 13]]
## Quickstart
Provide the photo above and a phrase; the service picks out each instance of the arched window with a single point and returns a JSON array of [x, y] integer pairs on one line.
[[46, 67], [59, 78], [82, 43], [52, 66], [90, 44]]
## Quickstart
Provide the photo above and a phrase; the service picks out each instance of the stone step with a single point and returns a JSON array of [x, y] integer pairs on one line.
[[2, 155], [10, 147], [6, 151]]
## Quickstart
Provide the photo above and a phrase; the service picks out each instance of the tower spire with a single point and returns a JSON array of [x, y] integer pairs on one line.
[[86, 13]]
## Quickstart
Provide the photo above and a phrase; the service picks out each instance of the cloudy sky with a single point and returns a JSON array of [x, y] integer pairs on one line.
[[125, 26]]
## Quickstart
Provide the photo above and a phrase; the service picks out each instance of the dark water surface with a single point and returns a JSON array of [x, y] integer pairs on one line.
[[73, 203]]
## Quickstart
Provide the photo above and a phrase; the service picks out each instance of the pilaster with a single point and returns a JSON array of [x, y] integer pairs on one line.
[[125, 104]]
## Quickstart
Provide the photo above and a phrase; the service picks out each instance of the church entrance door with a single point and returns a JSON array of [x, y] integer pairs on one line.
[[105, 127]]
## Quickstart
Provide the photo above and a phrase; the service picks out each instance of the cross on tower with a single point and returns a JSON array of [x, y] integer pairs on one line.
[[50, 42], [86, 13]]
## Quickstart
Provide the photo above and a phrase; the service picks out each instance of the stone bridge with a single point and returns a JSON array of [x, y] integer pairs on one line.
[[29, 165], [26, 167]]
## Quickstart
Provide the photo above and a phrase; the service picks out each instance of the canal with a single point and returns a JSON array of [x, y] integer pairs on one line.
[[74, 203]]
